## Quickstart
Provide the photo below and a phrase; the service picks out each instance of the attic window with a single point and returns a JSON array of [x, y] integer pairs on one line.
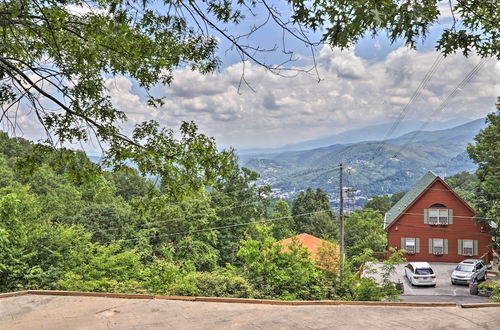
[[438, 206]]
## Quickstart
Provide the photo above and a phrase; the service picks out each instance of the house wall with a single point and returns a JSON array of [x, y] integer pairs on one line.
[[412, 225]]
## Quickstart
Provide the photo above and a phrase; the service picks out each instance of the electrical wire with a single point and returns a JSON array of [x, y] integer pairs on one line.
[[214, 228], [467, 79]]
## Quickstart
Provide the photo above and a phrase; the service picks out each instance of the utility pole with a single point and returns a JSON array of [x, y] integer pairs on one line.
[[341, 216]]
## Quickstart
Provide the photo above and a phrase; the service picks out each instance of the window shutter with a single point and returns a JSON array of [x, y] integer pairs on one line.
[[417, 245], [426, 216], [430, 246], [445, 242], [403, 245], [450, 216], [460, 247], [476, 249]]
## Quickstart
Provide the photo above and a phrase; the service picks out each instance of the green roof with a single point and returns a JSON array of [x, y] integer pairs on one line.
[[408, 198]]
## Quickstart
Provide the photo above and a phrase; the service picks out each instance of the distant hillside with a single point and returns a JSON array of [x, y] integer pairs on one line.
[[363, 134], [371, 167]]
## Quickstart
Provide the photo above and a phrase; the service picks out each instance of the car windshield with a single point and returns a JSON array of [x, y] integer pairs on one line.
[[465, 268], [423, 271]]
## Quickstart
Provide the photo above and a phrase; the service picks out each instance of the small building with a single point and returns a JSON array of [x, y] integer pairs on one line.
[[324, 254], [432, 223]]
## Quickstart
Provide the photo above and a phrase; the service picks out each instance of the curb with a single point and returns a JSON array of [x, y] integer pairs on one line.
[[13, 294], [246, 300], [91, 294], [480, 305]]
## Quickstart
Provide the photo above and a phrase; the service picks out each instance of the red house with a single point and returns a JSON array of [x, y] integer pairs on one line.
[[432, 223]]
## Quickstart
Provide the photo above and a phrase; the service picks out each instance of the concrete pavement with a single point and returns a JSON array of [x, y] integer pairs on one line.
[[69, 312], [444, 291]]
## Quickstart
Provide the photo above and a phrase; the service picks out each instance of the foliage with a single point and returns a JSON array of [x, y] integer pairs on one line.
[[62, 231], [276, 273], [313, 215], [486, 153], [396, 197], [364, 229], [216, 284], [464, 184], [328, 257], [347, 21], [494, 287], [379, 203], [282, 225]]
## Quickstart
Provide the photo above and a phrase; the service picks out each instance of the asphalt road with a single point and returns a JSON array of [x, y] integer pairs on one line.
[[60, 312], [444, 291]]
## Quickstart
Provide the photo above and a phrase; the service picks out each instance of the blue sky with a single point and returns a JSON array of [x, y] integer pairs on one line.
[[366, 85]]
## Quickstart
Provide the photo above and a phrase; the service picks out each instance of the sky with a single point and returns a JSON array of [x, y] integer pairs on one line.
[[365, 85]]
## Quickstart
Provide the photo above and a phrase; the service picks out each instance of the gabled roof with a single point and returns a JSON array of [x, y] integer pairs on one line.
[[409, 197]]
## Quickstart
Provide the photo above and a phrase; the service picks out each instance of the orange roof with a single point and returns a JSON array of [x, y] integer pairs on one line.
[[310, 242]]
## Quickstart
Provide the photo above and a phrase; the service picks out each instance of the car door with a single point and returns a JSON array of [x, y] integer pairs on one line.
[[477, 272], [482, 271]]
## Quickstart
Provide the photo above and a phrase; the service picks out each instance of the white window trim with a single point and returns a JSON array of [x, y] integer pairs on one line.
[[434, 245], [411, 251], [440, 220], [471, 247]]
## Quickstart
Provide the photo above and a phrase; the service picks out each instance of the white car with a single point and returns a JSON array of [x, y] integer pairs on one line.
[[420, 273]]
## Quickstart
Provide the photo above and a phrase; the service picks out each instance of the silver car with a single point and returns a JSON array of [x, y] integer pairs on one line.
[[468, 271]]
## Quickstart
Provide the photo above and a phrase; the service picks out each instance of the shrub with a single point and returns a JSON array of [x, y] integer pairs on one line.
[[212, 285], [494, 287]]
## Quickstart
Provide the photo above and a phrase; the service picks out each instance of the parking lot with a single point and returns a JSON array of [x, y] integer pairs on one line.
[[444, 291]]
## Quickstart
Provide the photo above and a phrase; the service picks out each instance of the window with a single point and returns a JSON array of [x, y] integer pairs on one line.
[[438, 216], [437, 246], [468, 247], [410, 245], [424, 271]]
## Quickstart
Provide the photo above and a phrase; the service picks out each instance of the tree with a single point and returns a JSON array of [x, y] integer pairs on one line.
[[313, 215], [465, 185], [73, 47], [486, 153], [379, 203], [396, 197], [283, 224], [276, 273], [364, 229], [237, 199]]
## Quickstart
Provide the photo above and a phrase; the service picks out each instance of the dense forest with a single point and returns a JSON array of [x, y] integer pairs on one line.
[[67, 224]]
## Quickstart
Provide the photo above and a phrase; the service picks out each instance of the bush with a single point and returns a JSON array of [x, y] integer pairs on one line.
[[212, 285], [494, 287]]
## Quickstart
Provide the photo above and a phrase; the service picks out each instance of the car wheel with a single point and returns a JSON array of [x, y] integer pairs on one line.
[[452, 282]]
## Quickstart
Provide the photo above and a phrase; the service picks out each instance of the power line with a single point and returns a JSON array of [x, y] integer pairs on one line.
[[455, 216], [149, 224], [447, 230], [423, 84], [213, 228], [444, 103]]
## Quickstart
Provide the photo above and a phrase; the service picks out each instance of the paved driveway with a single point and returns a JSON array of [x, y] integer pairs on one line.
[[443, 291]]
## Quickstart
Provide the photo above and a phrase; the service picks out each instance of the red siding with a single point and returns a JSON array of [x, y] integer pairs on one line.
[[411, 224]]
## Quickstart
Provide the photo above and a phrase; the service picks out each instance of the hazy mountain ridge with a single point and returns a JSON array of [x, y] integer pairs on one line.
[[372, 167]]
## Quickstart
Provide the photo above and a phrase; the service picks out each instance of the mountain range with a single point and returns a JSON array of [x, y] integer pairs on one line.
[[371, 167]]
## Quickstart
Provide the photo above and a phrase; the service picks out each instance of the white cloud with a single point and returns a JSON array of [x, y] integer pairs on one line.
[[84, 9], [353, 93], [445, 10]]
